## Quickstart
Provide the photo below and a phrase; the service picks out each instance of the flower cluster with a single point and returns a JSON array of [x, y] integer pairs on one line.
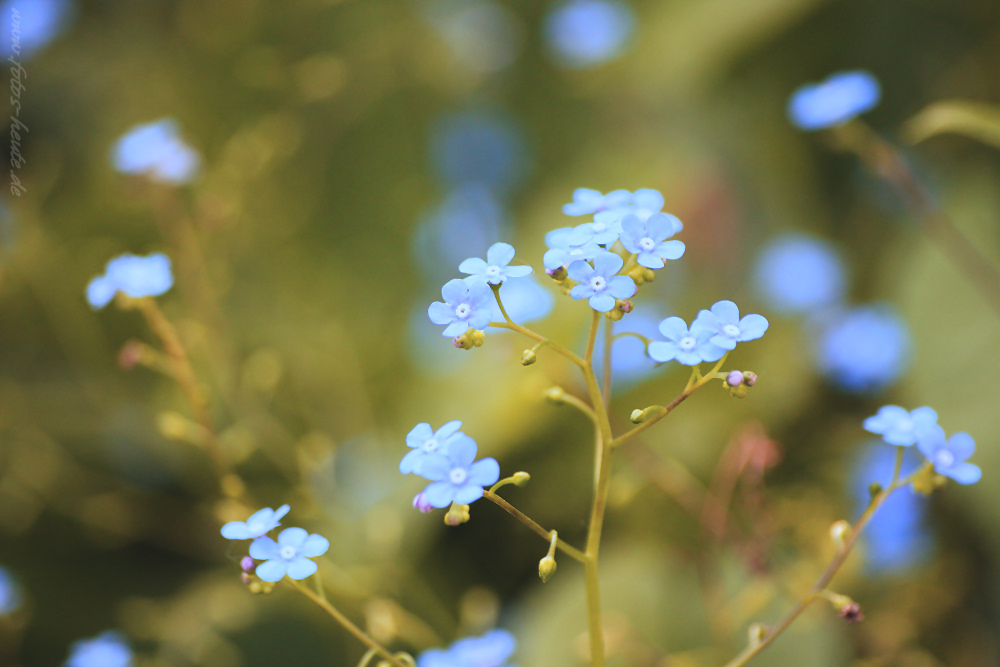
[[133, 275], [446, 457], [491, 650], [711, 336], [919, 427], [289, 555]]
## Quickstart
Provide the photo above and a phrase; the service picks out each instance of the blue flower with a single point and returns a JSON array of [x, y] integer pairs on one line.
[[455, 477], [106, 650], [425, 442], [724, 320], [649, 241], [491, 650], [799, 274], [629, 361], [688, 347], [479, 148], [38, 22], [134, 275], [10, 593], [833, 102], [564, 249], [584, 33], [646, 202], [289, 555], [524, 300], [157, 150], [494, 269], [604, 230], [864, 349], [598, 283], [587, 201], [948, 456], [468, 304], [260, 523], [899, 427]]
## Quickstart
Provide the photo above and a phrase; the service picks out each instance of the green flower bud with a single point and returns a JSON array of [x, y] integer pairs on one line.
[[555, 394], [546, 568], [457, 515], [528, 357], [638, 416], [520, 478]]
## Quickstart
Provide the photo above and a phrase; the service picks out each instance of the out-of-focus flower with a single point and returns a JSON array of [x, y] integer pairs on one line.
[[587, 201], [524, 300], [584, 33], [629, 361], [949, 455], [289, 555], [134, 275], [425, 442], [864, 349], [467, 304], [724, 320], [157, 150], [470, 217], [10, 593], [479, 148], [598, 283], [260, 523], [688, 347], [106, 650], [799, 274], [649, 241], [455, 478], [565, 249], [833, 102], [484, 35], [30, 25], [899, 427], [496, 267], [491, 650]]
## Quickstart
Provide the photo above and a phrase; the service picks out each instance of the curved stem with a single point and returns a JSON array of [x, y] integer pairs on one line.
[[570, 551], [540, 338]]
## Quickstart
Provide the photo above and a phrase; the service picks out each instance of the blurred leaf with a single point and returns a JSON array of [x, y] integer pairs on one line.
[[974, 120]]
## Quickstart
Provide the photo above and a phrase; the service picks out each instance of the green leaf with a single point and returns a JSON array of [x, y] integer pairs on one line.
[[970, 119]]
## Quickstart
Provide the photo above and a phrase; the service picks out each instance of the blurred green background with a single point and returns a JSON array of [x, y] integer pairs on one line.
[[343, 174]]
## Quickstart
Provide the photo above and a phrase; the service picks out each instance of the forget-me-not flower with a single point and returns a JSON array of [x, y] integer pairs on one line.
[[491, 650], [585, 33], [724, 320], [425, 442], [686, 346], [134, 275], [646, 202], [864, 349], [604, 230], [260, 523], [949, 455], [455, 478], [109, 649], [33, 27], [468, 303], [833, 102], [799, 274], [899, 427], [564, 249], [648, 239], [598, 283], [157, 150], [289, 555], [494, 269], [587, 201]]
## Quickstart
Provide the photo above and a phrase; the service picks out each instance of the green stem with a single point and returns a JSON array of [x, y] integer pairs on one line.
[[540, 338], [570, 551], [606, 380]]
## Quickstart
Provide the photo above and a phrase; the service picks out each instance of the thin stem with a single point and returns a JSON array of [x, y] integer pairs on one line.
[[570, 551], [503, 311], [633, 334], [540, 338], [606, 369], [358, 633], [570, 399], [667, 409]]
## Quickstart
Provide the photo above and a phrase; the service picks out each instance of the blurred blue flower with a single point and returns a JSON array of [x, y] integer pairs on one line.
[[864, 349], [496, 267], [566, 245], [648, 239], [134, 275], [35, 24], [896, 538], [688, 347], [470, 217], [584, 33], [587, 201], [10, 593], [629, 361], [479, 148], [484, 35], [724, 320], [799, 274], [106, 650], [260, 523], [425, 442], [468, 303], [289, 555], [156, 149], [491, 650], [524, 300], [455, 478], [899, 427], [833, 102], [949, 455], [598, 283]]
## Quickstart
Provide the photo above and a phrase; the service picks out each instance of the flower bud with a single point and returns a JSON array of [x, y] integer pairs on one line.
[[756, 633], [247, 565], [648, 275], [420, 503], [528, 357], [615, 314], [852, 613], [626, 306], [749, 378], [131, 354], [546, 568], [457, 515], [520, 478], [839, 532], [557, 274], [735, 378], [638, 416], [246, 578], [874, 489], [555, 394]]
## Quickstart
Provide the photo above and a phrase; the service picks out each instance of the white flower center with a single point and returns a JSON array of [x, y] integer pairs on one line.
[[647, 244], [462, 311], [687, 343], [287, 552], [731, 330], [430, 445], [493, 271], [944, 458], [458, 476], [597, 283]]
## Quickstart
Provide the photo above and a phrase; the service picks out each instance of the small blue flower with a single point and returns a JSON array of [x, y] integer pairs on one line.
[[426, 442], [10, 593], [598, 283], [949, 455], [468, 304], [494, 269], [604, 230], [649, 241], [455, 477], [899, 427], [724, 320], [289, 555], [646, 202], [864, 349], [585, 33], [37, 23], [563, 248], [260, 523], [134, 275], [833, 102], [688, 347], [587, 201], [800, 274], [105, 650], [157, 150], [491, 650]]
